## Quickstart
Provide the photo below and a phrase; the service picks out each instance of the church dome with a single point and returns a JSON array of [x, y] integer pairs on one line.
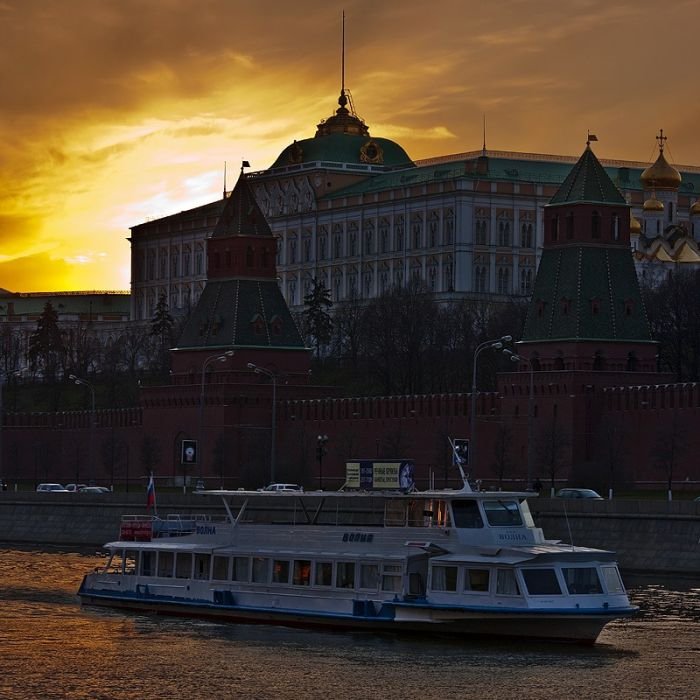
[[695, 208], [661, 175], [653, 204], [344, 138], [635, 226]]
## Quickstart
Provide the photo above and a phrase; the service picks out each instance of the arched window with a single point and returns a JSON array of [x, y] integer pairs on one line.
[[570, 225], [595, 225]]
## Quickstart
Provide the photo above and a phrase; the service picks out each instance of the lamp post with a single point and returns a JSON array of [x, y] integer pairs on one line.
[[84, 382], [321, 441], [497, 345], [200, 427], [530, 413], [273, 377]]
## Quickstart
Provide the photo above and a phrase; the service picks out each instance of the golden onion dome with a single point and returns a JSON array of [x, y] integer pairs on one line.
[[661, 175], [653, 204], [635, 226], [695, 208]]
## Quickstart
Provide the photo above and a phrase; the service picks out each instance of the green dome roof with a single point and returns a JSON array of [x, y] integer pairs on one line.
[[344, 138]]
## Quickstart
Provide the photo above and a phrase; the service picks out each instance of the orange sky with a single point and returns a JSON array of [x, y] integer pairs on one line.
[[116, 111]]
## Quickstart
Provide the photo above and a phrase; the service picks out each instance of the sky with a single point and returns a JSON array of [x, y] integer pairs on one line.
[[114, 112]]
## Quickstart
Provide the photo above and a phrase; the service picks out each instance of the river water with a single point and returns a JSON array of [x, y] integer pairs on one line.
[[51, 647]]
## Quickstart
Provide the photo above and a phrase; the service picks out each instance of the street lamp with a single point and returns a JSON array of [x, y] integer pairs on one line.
[[83, 382], [487, 344], [273, 377], [321, 451], [200, 434], [530, 412]]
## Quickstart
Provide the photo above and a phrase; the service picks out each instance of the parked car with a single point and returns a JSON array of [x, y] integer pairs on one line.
[[75, 487], [51, 488], [578, 493], [95, 489], [283, 487]]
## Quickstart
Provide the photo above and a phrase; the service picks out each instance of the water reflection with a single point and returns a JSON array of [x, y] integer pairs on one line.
[[54, 648]]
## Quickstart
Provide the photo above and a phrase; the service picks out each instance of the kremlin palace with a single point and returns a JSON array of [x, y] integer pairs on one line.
[[355, 212]]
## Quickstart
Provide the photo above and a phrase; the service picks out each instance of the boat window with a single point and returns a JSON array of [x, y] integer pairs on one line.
[[391, 577], [506, 583], [466, 514], [128, 562], [280, 571], [369, 576], [115, 564], [502, 513], [302, 572], [324, 573], [241, 569], [201, 566], [165, 564], [541, 582], [444, 578], [261, 567], [183, 565], [148, 560], [219, 571], [345, 575], [395, 513], [476, 580], [582, 580], [612, 579]]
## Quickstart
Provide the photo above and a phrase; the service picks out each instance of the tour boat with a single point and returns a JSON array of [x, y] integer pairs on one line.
[[458, 562]]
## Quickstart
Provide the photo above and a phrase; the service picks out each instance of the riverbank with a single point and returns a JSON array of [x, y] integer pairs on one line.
[[648, 536]]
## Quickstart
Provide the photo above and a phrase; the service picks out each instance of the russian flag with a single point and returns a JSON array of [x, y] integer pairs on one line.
[[151, 494]]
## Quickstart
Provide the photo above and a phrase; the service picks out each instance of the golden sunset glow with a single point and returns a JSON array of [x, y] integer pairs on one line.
[[117, 111]]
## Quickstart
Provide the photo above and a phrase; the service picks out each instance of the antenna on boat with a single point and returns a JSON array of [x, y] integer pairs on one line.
[[458, 459], [568, 527]]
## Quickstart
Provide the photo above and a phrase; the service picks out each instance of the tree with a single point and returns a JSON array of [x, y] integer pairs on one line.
[[674, 318], [162, 331], [46, 348], [552, 446], [669, 448], [317, 321]]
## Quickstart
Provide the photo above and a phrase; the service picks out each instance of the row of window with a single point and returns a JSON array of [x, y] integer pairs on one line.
[[504, 238], [351, 245], [152, 264], [262, 570], [349, 287], [480, 280], [537, 581]]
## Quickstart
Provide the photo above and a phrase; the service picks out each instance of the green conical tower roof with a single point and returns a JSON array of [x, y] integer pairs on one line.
[[588, 182]]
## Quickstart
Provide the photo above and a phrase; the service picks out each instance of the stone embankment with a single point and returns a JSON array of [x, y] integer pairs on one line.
[[648, 536]]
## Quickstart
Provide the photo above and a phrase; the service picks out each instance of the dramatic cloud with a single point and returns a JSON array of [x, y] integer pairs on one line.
[[119, 110]]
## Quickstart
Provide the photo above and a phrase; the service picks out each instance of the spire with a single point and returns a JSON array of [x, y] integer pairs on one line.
[[344, 121]]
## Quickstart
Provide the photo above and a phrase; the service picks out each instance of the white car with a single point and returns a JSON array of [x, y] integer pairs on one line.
[[51, 488], [283, 487], [75, 487], [95, 489]]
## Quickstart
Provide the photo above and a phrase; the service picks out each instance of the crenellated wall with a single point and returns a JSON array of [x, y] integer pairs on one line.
[[608, 433]]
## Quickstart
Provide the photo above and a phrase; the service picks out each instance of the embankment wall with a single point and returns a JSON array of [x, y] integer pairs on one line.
[[648, 536]]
